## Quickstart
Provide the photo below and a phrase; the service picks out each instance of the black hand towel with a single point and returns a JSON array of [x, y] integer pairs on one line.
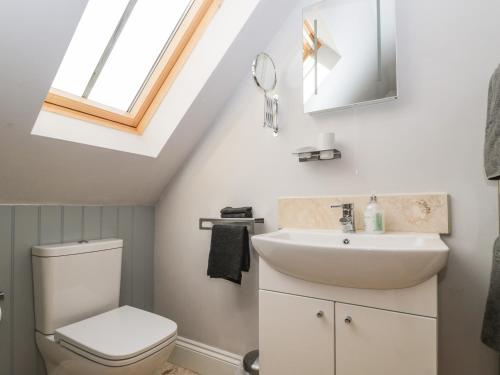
[[247, 211], [491, 323], [229, 252]]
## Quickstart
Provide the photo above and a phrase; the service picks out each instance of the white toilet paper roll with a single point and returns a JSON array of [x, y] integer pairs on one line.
[[326, 155], [326, 141]]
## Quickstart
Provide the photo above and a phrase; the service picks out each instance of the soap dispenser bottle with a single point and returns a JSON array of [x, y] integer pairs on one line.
[[374, 217]]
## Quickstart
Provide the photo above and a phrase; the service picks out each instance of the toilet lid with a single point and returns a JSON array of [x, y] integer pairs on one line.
[[119, 334]]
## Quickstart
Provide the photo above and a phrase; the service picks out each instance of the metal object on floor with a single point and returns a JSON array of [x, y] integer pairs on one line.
[[251, 362]]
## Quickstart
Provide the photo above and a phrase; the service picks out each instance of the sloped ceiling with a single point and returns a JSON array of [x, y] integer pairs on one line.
[[33, 38]]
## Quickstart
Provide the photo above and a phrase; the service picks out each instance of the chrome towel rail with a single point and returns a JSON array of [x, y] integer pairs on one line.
[[249, 222]]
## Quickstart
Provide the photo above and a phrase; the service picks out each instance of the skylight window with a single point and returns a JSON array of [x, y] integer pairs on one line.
[[121, 55]]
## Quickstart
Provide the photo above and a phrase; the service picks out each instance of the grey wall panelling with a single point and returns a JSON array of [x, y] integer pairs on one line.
[[25, 230], [72, 227], [142, 258], [21, 227], [5, 286], [125, 228]]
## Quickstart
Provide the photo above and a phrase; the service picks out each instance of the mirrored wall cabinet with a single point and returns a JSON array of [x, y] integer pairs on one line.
[[349, 53]]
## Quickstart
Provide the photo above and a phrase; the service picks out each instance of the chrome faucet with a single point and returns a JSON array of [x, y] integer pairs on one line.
[[347, 219]]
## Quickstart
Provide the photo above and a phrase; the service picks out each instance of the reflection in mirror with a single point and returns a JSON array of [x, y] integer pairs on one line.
[[264, 72], [349, 53]]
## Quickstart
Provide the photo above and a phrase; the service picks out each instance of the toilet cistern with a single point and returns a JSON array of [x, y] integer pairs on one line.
[[347, 219]]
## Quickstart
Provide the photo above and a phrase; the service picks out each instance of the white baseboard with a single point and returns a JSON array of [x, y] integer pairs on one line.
[[204, 359]]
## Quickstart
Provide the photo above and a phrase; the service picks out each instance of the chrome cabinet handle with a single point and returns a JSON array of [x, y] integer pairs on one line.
[[348, 320], [2, 295], [320, 314]]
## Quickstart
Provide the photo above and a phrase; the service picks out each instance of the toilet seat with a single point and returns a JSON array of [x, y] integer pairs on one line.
[[118, 337]]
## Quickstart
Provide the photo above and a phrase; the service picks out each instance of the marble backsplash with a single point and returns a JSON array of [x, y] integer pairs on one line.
[[422, 213]]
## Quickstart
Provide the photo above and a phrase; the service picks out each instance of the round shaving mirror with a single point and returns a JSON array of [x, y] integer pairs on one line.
[[264, 72]]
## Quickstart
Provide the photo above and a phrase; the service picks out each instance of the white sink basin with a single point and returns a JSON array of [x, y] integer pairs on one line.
[[354, 260]]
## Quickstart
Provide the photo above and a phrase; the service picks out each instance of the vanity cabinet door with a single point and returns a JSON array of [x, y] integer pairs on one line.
[[379, 342], [296, 335]]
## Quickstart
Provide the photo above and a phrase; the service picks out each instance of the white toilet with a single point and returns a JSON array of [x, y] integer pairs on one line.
[[80, 330]]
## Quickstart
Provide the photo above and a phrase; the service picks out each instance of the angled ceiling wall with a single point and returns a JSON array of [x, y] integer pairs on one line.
[[33, 38]]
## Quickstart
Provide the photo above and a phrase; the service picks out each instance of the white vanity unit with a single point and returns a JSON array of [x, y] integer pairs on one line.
[[348, 304]]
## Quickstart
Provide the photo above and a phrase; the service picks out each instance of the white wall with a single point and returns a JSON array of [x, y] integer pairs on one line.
[[429, 140]]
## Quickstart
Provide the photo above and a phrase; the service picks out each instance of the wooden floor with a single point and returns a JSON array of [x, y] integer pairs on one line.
[[170, 369]]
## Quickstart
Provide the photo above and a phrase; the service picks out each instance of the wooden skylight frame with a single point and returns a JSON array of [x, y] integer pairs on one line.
[[155, 88]]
